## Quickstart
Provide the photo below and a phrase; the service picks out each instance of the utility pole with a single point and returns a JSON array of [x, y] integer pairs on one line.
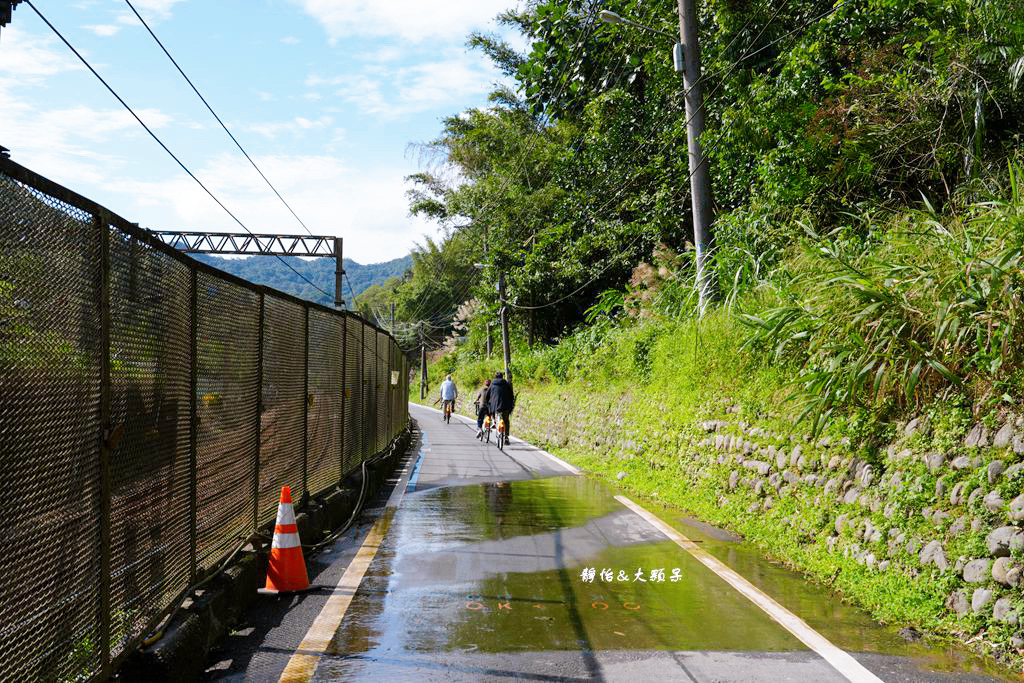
[[392, 318], [423, 369], [700, 177], [503, 314], [339, 272]]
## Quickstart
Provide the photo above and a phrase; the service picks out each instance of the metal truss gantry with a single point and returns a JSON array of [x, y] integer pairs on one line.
[[246, 244]]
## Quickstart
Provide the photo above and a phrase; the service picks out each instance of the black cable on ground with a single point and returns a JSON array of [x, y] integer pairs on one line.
[[263, 537]]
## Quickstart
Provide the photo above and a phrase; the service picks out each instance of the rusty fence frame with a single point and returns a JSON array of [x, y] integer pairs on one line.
[[370, 434]]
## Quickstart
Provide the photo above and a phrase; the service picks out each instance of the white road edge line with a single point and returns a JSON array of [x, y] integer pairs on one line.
[[840, 660], [302, 665], [556, 459]]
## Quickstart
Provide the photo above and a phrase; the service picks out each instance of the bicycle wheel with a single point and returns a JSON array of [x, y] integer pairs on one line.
[[501, 440], [487, 434]]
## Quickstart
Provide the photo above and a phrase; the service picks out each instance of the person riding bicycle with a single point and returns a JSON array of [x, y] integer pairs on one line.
[[448, 395], [501, 400], [480, 403]]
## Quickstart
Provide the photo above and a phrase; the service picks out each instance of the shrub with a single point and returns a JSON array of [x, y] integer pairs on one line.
[[922, 310]]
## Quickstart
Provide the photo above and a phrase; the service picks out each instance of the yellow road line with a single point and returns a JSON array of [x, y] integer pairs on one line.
[[840, 660], [302, 665]]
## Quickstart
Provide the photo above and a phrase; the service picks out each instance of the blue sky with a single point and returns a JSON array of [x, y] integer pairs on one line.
[[325, 95]]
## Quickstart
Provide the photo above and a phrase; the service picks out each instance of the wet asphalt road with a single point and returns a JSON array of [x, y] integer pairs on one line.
[[479, 576]]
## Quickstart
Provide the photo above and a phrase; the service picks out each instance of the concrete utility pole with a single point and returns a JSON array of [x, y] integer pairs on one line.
[[503, 313], [423, 371], [700, 177], [392, 319]]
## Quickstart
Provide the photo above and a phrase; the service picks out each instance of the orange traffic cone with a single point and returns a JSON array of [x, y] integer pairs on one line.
[[286, 569]]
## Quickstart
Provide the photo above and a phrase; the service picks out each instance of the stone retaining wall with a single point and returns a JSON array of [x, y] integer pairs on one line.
[[954, 513]]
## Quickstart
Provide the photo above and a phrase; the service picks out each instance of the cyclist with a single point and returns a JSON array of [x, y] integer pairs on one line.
[[448, 395], [480, 403], [501, 400]]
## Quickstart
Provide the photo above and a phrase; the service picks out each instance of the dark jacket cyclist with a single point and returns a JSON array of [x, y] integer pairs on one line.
[[480, 402], [501, 400]]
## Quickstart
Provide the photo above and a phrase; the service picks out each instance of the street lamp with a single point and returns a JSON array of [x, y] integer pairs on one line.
[[677, 49], [688, 63]]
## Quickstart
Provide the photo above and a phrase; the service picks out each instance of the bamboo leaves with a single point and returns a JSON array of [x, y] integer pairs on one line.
[[931, 306]]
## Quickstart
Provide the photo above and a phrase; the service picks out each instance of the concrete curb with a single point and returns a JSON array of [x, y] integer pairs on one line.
[[181, 652]]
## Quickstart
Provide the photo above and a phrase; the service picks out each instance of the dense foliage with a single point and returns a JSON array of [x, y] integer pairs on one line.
[[870, 134]]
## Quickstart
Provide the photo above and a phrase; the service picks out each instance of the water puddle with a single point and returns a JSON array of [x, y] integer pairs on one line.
[[499, 568]]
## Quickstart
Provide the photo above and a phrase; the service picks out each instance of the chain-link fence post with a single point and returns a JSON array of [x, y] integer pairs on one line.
[[381, 394], [305, 408], [193, 429], [390, 390], [106, 428], [344, 379], [138, 334], [259, 419], [362, 388]]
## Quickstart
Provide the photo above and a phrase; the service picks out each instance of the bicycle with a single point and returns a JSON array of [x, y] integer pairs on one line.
[[501, 433], [485, 431]]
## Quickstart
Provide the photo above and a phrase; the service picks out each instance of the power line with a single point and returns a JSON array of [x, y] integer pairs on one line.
[[704, 160], [807, 23], [442, 267], [158, 140], [541, 126], [350, 290], [542, 123], [222, 125], [563, 82], [724, 73]]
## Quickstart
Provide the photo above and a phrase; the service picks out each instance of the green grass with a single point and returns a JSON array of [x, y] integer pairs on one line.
[[848, 335], [633, 402]]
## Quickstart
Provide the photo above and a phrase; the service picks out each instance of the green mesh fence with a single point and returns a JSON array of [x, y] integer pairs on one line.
[[151, 408]]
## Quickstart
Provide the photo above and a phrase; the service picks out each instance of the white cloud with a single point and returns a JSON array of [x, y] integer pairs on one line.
[[151, 10], [384, 54], [296, 126], [103, 30], [396, 92], [98, 124], [412, 20], [69, 144], [313, 81], [290, 40], [24, 55], [432, 85], [367, 207]]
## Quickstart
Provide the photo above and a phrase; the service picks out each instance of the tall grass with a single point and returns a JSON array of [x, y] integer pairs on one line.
[[928, 306]]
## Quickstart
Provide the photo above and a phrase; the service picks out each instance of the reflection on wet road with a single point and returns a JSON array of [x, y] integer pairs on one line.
[[482, 576]]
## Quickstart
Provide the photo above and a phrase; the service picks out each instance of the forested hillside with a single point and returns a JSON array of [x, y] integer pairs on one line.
[[270, 271]]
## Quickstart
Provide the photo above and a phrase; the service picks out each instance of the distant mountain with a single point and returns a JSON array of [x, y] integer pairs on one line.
[[270, 271]]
